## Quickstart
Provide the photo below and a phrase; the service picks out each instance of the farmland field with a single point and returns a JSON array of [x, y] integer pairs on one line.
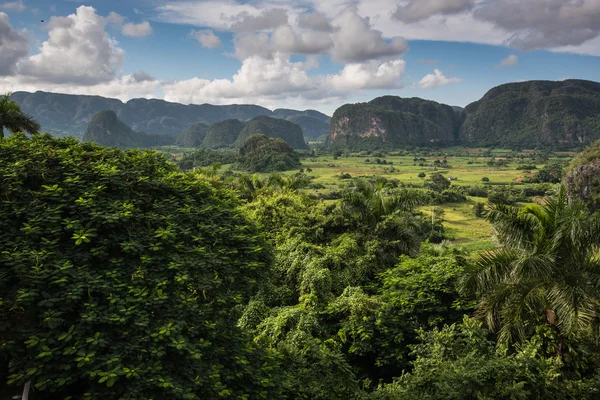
[[464, 167]]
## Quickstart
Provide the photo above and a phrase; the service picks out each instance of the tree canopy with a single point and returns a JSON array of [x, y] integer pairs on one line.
[[120, 277]]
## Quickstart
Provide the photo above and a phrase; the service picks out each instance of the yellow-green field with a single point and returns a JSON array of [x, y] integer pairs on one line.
[[468, 166]]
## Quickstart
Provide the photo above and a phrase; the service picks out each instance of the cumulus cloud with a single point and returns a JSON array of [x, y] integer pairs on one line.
[[417, 10], [509, 61], [13, 6], [436, 79], [315, 21], [268, 19], [115, 19], [537, 24], [355, 40], [78, 50], [13, 46], [265, 80], [142, 76], [140, 30], [370, 75], [207, 38]]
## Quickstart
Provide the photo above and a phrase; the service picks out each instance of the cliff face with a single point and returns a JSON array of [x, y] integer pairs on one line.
[[393, 121], [583, 177], [534, 114]]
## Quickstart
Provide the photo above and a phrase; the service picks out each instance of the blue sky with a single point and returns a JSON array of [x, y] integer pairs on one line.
[[302, 54]]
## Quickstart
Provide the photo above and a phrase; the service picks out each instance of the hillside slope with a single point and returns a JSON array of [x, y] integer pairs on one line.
[[533, 114], [193, 136], [275, 128], [391, 121], [223, 134], [66, 114], [108, 130]]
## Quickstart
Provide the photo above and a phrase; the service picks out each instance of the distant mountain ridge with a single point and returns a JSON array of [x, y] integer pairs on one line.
[[66, 114], [107, 129], [534, 114]]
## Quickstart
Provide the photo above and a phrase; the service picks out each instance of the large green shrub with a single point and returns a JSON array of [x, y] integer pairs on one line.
[[119, 277]]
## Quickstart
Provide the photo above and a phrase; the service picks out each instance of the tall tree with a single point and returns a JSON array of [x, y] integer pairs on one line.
[[546, 270], [13, 119]]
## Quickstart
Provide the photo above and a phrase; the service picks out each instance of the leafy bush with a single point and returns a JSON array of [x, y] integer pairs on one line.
[[119, 277]]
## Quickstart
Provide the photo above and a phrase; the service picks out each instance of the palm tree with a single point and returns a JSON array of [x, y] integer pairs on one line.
[[13, 119], [547, 269], [370, 202]]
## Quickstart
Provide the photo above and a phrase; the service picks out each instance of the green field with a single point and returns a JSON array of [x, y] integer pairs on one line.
[[465, 166]]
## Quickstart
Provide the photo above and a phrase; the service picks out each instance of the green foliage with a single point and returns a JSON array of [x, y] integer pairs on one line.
[[479, 209], [204, 158], [193, 136], [437, 182], [120, 277], [223, 134], [547, 270], [547, 114], [392, 121], [13, 119], [459, 362], [550, 173], [274, 128], [583, 177], [264, 154]]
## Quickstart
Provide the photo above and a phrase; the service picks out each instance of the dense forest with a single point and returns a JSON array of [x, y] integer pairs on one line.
[[135, 274], [125, 277]]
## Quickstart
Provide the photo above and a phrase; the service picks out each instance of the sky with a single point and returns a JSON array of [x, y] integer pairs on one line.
[[302, 54]]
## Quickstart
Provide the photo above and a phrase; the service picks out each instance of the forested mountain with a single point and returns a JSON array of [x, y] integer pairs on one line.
[[535, 114], [193, 136], [108, 130], [393, 121], [65, 114], [314, 123], [223, 134], [277, 128]]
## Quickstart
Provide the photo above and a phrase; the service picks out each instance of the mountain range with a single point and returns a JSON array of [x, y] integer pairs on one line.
[[534, 114], [108, 130], [69, 115]]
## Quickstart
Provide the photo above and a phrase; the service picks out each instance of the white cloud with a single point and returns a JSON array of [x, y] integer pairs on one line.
[[315, 21], [417, 10], [115, 19], [268, 19], [13, 6], [370, 75], [142, 76], [140, 30], [207, 38], [78, 50], [509, 61], [436, 79], [265, 81], [13, 46], [559, 25], [355, 40], [535, 24], [123, 88]]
